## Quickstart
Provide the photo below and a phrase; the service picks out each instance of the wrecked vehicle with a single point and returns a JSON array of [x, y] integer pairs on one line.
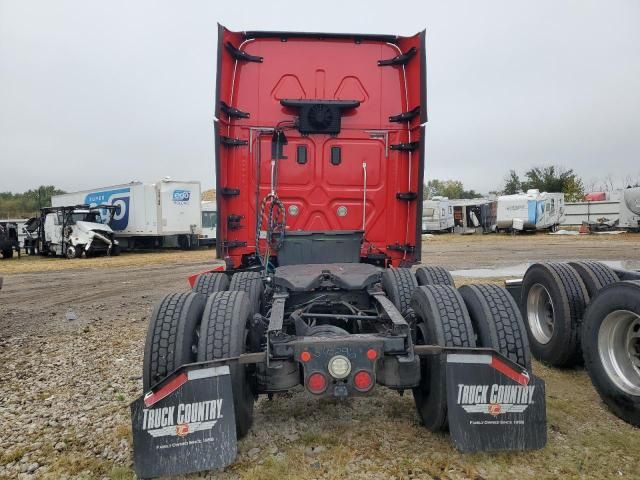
[[75, 230]]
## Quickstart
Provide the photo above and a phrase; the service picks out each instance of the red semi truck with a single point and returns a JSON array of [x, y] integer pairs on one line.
[[320, 146]]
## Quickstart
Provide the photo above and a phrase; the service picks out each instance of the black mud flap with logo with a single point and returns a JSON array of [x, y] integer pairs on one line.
[[494, 404], [186, 424]]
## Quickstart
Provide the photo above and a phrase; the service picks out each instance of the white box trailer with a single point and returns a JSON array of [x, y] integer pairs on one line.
[[603, 211], [630, 209], [531, 211], [209, 223], [162, 214], [437, 215]]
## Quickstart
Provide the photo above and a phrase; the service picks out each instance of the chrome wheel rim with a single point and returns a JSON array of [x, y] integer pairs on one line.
[[540, 313], [619, 349]]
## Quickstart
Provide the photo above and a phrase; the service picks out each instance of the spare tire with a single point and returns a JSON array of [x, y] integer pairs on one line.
[[611, 348], [497, 321], [172, 336], [208, 283], [442, 320], [251, 283], [595, 275], [399, 284], [223, 334], [554, 298], [433, 275]]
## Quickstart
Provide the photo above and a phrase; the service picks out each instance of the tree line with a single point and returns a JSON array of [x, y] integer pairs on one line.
[[26, 204]]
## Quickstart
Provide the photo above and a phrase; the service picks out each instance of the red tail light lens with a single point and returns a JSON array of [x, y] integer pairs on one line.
[[372, 354], [363, 381], [305, 356], [317, 383]]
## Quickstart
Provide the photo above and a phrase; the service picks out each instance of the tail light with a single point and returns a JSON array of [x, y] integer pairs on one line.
[[317, 383], [363, 381]]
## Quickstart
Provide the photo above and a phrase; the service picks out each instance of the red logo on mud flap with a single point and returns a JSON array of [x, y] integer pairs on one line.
[[182, 430], [494, 409]]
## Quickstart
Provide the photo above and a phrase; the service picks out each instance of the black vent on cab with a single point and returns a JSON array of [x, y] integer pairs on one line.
[[320, 116]]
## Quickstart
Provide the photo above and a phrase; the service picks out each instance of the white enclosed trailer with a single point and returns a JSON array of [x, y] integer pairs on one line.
[[602, 211], [437, 215], [630, 209], [209, 223], [162, 214], [530, 211]]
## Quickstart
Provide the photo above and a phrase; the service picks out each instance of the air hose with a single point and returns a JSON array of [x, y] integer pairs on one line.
[[273, 206]]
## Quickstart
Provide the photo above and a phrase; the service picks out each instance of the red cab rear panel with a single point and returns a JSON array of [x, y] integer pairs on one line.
[[363, 174]]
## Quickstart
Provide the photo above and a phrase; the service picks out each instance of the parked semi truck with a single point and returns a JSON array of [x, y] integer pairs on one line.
[[318, 169], [148, 215]]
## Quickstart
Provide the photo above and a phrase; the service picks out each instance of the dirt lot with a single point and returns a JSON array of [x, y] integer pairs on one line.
[[66, 384]]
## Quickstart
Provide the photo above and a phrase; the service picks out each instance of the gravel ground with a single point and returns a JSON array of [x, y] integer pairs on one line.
[[71, 346]]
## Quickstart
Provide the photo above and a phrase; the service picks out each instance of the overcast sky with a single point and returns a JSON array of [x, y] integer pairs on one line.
[[94, 93]]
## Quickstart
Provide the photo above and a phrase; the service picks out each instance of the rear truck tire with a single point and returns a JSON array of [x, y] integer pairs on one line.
[[399, 284], [442, 320], [172, 337], [251, 283], [433, 275], [595, 275], [223, 334], [72, 252], [208, 283], [553, 302], [611, 348], [497, 321]]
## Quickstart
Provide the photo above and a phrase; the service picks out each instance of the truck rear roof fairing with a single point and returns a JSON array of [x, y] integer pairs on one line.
[[330, 127]]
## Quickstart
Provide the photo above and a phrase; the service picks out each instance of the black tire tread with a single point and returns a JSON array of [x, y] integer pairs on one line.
[[433, 275], [161, 356], [513, 342], [577, 299], [215, 340], [208, 283], [222, 335], [595, 275], [399, 284], [456, 325], [443, 307], [251, 283]]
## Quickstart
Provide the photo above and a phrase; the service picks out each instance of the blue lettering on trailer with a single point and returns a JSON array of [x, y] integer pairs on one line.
[[181, 197], [118, 197]]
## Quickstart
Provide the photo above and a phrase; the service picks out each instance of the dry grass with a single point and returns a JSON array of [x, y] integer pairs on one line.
[[32, 264]]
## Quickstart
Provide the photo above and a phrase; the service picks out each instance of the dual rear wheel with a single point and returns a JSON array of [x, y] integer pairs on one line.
[[472, 316], [211, 322], [581, 312]]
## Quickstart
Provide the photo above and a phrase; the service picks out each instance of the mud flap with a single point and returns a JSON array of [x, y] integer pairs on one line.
[[186, 424], [494, 404]]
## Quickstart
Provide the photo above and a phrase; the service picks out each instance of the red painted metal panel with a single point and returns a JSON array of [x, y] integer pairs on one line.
[[317, 194]]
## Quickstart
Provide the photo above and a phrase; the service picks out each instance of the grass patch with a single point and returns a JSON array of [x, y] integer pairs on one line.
[[12, 455]]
